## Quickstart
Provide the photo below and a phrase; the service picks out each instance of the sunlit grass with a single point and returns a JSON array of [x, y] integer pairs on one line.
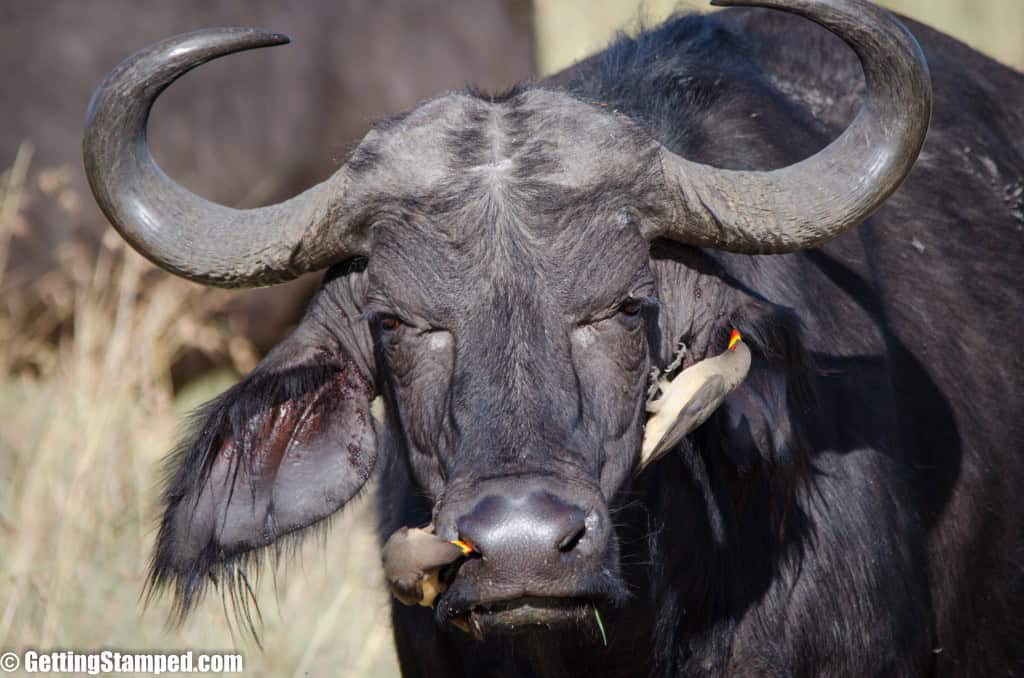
[[81, 438]]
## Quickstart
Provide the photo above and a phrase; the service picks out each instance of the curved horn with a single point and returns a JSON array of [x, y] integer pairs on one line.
[[805, 204], [183, 232]]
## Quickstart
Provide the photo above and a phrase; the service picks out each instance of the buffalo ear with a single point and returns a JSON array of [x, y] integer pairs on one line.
[[754, 419], [280, 451]]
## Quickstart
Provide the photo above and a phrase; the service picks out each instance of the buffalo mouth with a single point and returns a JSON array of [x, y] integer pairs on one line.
[[523, 614]]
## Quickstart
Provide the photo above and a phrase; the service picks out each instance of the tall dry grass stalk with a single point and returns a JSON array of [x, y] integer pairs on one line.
[[12, 186], [81, 439]]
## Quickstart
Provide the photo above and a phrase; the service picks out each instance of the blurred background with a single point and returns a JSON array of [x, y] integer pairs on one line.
[[568, 30], [100, 355]]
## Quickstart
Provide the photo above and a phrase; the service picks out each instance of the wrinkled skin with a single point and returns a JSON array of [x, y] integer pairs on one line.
[[848, 511], [534, 371]]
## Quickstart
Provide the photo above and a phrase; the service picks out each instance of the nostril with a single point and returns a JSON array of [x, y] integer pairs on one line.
[[572, 539]]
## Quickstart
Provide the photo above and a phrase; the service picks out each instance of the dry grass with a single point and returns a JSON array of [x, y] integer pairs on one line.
[[81, 437], [568, 30]]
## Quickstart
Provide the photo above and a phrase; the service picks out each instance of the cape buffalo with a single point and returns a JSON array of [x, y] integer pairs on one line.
[[834, 490]]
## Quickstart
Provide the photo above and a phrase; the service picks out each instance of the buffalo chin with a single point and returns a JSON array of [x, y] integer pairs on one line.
[[522, 615]]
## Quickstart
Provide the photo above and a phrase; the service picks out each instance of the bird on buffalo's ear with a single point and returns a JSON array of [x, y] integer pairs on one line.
[[688, 400]]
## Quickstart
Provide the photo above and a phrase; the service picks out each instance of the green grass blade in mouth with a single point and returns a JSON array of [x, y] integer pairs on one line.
[[600, 625]]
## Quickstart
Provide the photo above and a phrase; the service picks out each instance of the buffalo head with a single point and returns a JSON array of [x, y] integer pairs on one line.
[[489, 321]]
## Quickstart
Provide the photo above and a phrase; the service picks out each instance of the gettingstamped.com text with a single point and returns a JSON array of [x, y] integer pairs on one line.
[[94, 663]]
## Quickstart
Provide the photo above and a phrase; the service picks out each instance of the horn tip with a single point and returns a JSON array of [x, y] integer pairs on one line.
[[274, 38], [252, 37]]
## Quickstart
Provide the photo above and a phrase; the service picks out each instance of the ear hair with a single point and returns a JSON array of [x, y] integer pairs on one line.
[[274, 455], [755, 423]]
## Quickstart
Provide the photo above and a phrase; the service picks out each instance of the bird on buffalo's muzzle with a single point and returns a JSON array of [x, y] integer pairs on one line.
[[413, 560]]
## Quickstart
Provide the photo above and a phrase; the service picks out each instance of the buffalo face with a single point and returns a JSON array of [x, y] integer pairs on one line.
[[514, 369]]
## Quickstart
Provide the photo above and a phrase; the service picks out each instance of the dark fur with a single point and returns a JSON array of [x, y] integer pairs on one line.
[[861, 528], [853, 508]]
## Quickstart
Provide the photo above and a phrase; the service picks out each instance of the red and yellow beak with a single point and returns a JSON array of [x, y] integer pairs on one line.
[[466, 547], [734, 338]]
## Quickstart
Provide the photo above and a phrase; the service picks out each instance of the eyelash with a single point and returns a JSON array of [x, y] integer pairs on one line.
[[631, 307], [387, 322]]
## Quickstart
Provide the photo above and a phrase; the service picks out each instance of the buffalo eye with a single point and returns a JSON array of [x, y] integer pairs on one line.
[[389, 323], [631, 307]]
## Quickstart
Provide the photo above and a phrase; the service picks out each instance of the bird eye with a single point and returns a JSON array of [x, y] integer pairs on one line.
[[631, 307]]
